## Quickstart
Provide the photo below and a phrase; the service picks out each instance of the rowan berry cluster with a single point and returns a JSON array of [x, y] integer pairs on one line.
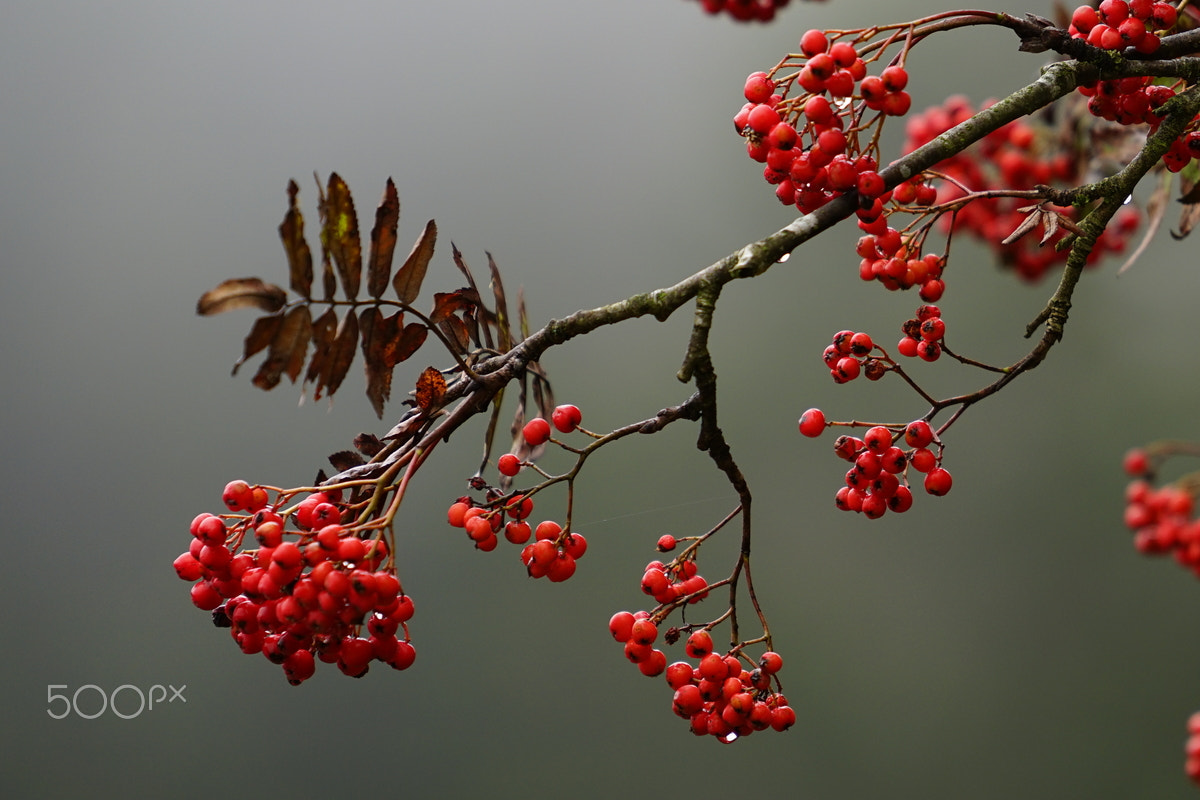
[[970, 187], [1117, 24], [895, 261], [318, 592], [1162, 517], [718, 695], [923, 334], [878, 481], [806, 126], [1137, 24], [553, 552], [745, 10]]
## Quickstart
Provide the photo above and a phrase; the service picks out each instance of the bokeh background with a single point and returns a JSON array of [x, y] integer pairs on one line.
[[1004, 641]]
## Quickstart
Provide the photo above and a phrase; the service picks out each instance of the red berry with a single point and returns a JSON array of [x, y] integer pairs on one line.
[[566, 418], [878, 439], [621, 626], [699, 644], [508, 464], [759, 87], [536, 432], [812, 423], [236, 495], [918, 433], [894, 78], [770, 662], [938, 482], [812, 42], [666, 543]]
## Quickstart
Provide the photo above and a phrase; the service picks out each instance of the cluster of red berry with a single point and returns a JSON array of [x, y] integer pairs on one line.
[[553, 552], [809, 143], [297, 601], [483, 523], [850, 356], [717, 695], [878, 481], [888, 258], [1018, 157], [1117, 24], [923, 334], [667, 583], [745, 10], [1161, 517]]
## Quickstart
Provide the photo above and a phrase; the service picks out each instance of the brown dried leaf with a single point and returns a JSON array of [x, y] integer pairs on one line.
[[341, 355], [409, 425], [341, 234], [456, 333], [368, 444], [377, 331], [431, 388], [446, 303], [299, 257], [1191, 210], [286, 354], [329, 282], [343, 460], [383, 241], [409, 277], [466, 271], [503, 324], [261, 334], [241, 293], [406, 342], [324, 330], [1156, 211]]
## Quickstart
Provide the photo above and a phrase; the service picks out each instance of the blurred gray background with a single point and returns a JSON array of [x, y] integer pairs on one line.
[[1004, 641]]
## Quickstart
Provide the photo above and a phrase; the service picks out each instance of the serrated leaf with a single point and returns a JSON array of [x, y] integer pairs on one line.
[[287, 351], [261, 333], [431, 388], [383, 242], [329, 282], [405, 343], [324, 330], [341, 234], [299, 257], [241, 293], [377, 331], [411, 274], [342, 354]]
